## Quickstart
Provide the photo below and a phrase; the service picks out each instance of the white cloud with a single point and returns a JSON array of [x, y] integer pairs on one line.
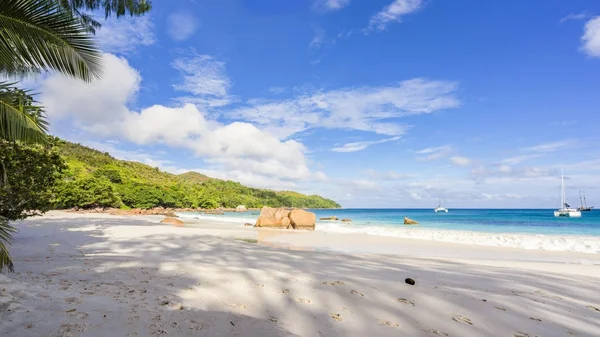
[[575, 16], [481, 173], [181, 26], [93, 104], [432, 149], [358, 146], [359, 184], [318, 39], [434, 153], [388, 175], [393, 13], [331, 5], [501, 197], [277, 90], [552, 146], [591, 37], [241, 150], [125, 35], [203, 77], [460, 161], [519, 159], [366, 108]]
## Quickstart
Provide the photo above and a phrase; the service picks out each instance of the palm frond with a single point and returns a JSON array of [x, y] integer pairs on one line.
[[20, 118], [116, 7], [39, 35], [6, 231]]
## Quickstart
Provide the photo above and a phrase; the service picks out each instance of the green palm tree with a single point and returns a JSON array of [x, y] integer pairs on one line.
[[37, 36]]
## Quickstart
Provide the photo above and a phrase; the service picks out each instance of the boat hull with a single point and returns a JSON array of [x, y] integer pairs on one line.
[[567, 214], [443, 210]]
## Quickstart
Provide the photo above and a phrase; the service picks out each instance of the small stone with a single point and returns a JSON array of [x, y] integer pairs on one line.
[[336, 317], [410, 281]]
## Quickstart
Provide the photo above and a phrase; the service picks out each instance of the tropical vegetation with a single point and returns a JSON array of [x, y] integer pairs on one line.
[[96, 179], [38, 36], [27, 176]]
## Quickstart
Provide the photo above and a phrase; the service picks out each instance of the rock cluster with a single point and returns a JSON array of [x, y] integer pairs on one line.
[[408, 221], [283, 218]]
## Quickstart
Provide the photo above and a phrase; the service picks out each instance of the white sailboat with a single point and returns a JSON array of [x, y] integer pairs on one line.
[[439, 208], [565, 210]]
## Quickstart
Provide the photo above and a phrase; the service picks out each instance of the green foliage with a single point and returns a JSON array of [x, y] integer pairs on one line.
[[20, 118], [142, 186], [27, 176], [39, 35], [110, 7], [88, 192]]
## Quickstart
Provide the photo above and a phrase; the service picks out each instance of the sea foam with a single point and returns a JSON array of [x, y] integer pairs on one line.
[[582, 244], [573, 243]]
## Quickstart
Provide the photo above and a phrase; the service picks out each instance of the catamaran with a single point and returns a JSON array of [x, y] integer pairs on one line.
[[440, 208], [566, 210], [584, 207]]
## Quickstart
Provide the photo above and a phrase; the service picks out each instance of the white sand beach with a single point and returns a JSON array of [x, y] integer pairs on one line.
[[101, 275]]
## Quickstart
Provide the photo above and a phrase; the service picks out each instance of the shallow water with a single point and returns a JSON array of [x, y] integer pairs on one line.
[[519, 228]]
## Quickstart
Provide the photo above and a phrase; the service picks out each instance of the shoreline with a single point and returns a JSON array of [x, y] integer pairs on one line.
[[525, 241]]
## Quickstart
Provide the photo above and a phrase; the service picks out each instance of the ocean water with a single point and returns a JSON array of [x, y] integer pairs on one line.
[[518, 228]]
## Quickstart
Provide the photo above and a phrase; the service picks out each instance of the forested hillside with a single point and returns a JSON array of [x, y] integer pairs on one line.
[[95, 179]]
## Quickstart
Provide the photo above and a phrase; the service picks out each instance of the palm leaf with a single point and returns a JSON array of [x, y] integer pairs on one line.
[[6, 231], [39, 35], [20, 118], [116, 7]]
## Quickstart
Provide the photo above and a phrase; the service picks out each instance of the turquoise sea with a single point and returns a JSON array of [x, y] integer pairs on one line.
[[519, 228]]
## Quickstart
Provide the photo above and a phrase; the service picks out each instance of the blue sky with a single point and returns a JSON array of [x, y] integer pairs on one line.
[[380, 103]]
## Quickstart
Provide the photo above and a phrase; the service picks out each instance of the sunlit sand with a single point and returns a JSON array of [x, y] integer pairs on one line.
[[101, 275]]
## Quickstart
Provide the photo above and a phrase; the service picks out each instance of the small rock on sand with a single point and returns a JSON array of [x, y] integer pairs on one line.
[[172, 221], [410, 281], [336, 317]]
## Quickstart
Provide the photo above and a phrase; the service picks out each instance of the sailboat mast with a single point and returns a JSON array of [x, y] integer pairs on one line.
[[437, 183], [562, 188], [584, 201]]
